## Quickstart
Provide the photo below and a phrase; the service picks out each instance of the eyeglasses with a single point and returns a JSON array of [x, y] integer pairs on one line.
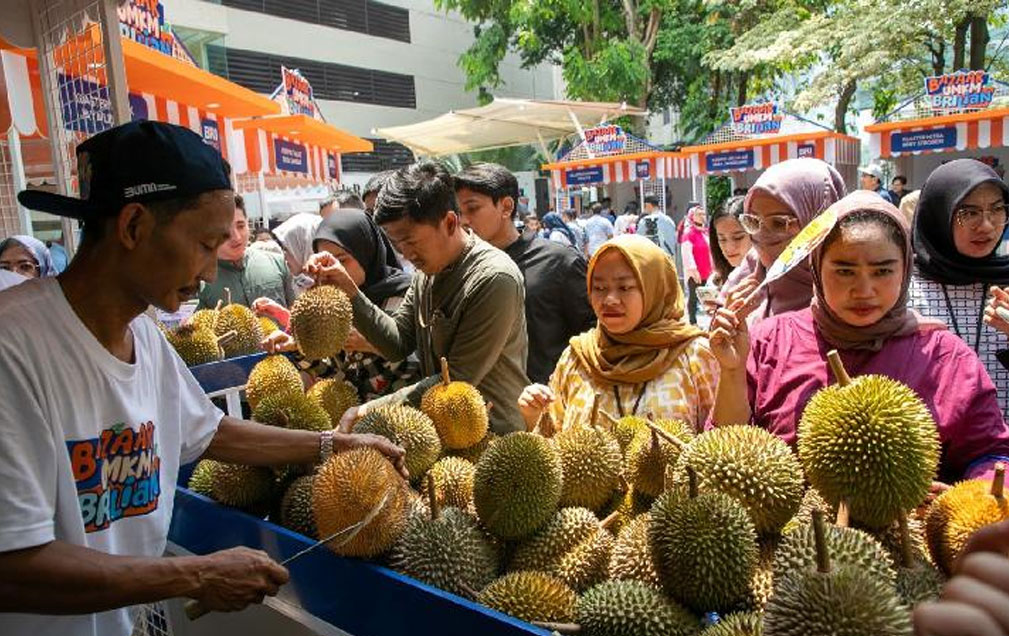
[[25, 268], [773, 224], [971, 217]]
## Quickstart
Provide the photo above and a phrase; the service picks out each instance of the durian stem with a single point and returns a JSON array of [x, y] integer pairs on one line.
[[445, 377], [217, 307], [227, 295], [837, 367], [623, 483], [467, 590], [226, 338], [998, 483], [843, 514], [675, 441], [608, 521], [490, 407], [906, 555], [655, 441], [692, 482], [217, 315], [546, 425], [594, 420], [612, 418], [560, 628], [820, 537], [283, 419], [432, 498]]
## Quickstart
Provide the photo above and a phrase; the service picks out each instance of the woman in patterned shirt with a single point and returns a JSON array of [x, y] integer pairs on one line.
[[957, 229], [641, 358]]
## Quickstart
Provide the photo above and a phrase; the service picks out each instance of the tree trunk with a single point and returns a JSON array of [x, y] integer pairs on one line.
[[978, 42], [938, 49], [960, 44], [847, 93], [716, 90], [744, 81]]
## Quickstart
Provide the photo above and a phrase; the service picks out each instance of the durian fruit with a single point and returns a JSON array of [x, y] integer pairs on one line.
[[292, 410], [737, 624], [517, 485], [811, 501], [871, 442], [632, 608], [573, 546], [834, 600], [195, 345], [248, 488], [360, 486], [627, 428], [591, 460], [752, 465], [204, 318], [446, 549], [272, 375], [890, 538], [631, 558], [628, 504], [531, 596], [241, 320], [320, 321], [202, 479], [651, 451], [296, 507], [266, 325], [762, 583], [335, 396], [473, 453], [705, 548], [917, 579], [457, 410], [453, 482], [962, 510], [408, 428], [848, 547]]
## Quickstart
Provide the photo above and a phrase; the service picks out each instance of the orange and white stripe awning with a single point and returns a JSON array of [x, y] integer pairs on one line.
[[620, 169], [948, 133], [761, 153]]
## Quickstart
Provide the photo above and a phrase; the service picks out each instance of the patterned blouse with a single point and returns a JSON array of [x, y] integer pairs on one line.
[[686, 391], [934, 300]]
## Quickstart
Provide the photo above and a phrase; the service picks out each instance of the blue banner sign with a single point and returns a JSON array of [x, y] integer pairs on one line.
[[290, 156], [583, 176], [932, 139], [734, 160]]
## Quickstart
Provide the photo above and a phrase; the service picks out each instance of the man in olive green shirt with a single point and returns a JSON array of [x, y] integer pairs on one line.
[[466, 302], [248, 274]]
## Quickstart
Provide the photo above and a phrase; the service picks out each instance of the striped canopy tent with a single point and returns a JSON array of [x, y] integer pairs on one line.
[[638, 162], [922, 132], [743, 157]]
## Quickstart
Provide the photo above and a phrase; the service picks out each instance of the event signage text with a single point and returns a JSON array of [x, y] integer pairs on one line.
[[644, 170], [211, 133], [143, 21], [298, 93], [290, 156], [85, 105], [735, 160], [964, 90], [756, 119], [584, 176], [930, 139], [605, 140], [806, 150]]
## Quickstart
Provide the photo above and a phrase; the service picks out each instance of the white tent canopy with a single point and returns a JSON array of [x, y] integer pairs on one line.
[[502, 123]]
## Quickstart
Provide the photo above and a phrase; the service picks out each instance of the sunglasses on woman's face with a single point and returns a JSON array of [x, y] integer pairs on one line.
[[772, 224], [25, 268], [972, 216]]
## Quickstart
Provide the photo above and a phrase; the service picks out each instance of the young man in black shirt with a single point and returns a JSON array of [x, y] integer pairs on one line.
[[557, 304]]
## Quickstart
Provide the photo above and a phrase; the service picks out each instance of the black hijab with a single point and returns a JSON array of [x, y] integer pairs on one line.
[[354, 231], [935, 254]]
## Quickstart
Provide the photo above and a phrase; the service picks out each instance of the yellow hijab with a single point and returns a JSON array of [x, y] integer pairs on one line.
[[657, 341]]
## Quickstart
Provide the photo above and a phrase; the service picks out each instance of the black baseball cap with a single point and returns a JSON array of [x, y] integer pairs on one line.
[[138, 162]]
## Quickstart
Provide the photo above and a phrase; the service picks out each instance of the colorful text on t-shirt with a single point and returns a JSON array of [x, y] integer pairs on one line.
[[117, 474]]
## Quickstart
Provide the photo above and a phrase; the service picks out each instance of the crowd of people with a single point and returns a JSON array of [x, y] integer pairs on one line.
[[544, 316]]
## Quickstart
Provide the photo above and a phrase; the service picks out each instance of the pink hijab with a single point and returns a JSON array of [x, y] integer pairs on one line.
[[900, 320], [807, 187]]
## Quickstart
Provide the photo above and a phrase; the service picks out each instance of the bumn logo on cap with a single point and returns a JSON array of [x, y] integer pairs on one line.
[[146, 188]]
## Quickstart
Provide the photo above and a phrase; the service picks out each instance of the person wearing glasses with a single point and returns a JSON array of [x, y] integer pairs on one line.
[[957, 230], [785, 198], [26, 256]]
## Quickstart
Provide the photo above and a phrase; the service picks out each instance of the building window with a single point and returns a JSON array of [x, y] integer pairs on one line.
[[362, 16], [387, 155], [261, 72]]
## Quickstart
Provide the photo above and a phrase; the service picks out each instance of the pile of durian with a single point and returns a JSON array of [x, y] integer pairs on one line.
[[632, 526]]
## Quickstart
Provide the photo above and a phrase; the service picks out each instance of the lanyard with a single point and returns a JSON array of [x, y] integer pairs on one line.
[[956, 324], [637, 402]]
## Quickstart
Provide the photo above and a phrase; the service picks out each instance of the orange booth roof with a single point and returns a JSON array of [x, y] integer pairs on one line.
[[308, 130], [765, 141]]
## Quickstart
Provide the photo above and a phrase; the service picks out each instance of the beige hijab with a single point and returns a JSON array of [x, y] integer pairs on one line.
[[658, 340]]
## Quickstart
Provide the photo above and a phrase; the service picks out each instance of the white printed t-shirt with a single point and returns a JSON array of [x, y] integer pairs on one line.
[[90, 446]]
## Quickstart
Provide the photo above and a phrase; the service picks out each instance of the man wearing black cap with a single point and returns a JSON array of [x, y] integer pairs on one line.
[[100, 411]]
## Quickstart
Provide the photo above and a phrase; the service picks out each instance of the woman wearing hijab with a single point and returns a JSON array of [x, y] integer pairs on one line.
[[958, 227], [642, 357], [785, 198], [354, 239], [27, 256], [556, 230], [861, 274]]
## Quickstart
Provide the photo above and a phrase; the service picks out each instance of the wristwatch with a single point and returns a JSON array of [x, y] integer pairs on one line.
[[325, 446]]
